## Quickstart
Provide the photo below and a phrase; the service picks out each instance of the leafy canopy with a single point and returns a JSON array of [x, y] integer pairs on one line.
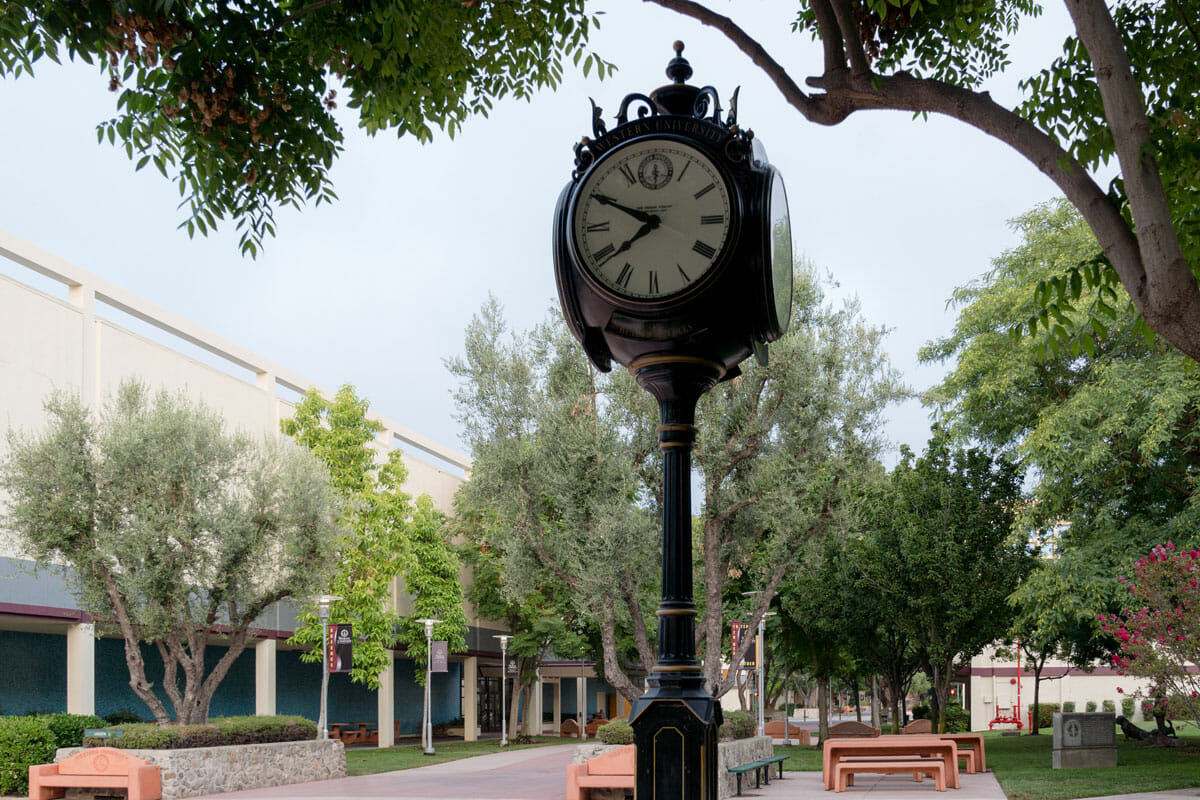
[[386, 538], [235, 101]]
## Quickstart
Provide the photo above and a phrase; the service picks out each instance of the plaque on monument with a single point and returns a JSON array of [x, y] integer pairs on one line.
[[1084, 740]]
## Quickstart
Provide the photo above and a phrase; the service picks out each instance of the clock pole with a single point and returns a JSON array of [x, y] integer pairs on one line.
[[678, 339], [675, 723]]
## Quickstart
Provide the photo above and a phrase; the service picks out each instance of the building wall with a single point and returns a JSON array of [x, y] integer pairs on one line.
[[994, 681], [86, 339]]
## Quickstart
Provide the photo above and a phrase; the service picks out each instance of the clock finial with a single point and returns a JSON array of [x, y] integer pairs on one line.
[[678, 68]]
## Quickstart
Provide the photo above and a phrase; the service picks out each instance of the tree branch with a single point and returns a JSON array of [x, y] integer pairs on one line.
[[858, 56], [748, 45], [1167, 295], [830, 35]]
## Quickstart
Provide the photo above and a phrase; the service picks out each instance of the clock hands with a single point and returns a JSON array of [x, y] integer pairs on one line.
[[640, 216], [642, 231]]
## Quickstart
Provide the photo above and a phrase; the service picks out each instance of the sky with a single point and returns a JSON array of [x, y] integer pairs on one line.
[[377, 289]]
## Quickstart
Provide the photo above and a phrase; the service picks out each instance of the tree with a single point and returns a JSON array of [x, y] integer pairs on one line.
[[1160, 635], [554, 486], [1126, 89], [234, 101], [1107, 428], [384, 538], [169, 530], [775, 449], [939, 546]]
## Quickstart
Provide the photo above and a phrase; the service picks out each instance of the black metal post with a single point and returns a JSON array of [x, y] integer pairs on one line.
[[675, 722]]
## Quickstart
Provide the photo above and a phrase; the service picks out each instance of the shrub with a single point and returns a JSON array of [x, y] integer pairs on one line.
[[122, 717], [616, 731], [1069, 706], [24, 741], [738, 725], [1090, 706], [1108, 705], [68, 728], [958, 719], [218, 732], [1044, 717], [1127, 705]]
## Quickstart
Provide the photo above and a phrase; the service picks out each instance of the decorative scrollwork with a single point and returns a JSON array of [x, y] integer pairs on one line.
[[700, 105], [598, 127], [583, 156], [647, 109], [731, 120], [738, 147]]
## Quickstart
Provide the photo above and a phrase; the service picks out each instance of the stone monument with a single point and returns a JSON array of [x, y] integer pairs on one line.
[[1084, 740]]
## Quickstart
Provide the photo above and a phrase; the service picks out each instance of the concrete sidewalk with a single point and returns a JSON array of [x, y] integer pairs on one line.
[[540, 774]]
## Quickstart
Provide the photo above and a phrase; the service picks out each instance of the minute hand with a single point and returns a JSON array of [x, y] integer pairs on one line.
[[640, 216]]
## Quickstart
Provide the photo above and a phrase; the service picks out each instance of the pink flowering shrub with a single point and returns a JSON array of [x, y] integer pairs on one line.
[[1159, 633]]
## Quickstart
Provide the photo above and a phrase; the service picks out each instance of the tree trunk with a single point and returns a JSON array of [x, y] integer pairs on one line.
[[612, 667], [857, 704], [822, 708]]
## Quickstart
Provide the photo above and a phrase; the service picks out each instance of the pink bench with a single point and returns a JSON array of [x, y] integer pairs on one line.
[[613, 770], [94, 768]]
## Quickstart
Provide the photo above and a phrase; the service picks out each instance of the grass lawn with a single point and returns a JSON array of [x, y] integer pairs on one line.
[[370, 760], [1022, 765]]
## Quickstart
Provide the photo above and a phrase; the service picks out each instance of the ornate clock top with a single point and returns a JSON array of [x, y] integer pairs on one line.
[[678, 69]]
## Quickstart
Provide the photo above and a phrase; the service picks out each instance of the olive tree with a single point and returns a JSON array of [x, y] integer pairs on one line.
[[170, 530]]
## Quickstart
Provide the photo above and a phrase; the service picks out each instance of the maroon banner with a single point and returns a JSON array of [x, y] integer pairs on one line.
[[340, 640]]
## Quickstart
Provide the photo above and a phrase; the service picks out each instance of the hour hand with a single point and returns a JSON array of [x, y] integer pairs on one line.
[[640, 216], [642, 231]]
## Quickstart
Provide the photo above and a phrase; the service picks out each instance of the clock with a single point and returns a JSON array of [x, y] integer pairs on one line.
[[653, 220], [777, 241]]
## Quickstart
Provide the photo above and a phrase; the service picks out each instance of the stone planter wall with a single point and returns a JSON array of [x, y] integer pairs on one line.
[[211, 770], [739, 751]]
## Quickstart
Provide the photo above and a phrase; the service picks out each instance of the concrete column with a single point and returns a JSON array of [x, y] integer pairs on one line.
[[264, 677], [84, 298], [581, 703], [470, 697], [386, 698], [557, 706], [81, 669], [266, 382]]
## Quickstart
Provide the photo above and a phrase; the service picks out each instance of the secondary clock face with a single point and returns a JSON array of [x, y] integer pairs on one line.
[[652, 219], [779, 247]]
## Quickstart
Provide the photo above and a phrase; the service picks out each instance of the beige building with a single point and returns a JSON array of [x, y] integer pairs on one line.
[[995, 688], [81, 333]]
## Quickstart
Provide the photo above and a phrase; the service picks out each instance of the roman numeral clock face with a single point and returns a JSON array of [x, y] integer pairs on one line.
[[652, 219]]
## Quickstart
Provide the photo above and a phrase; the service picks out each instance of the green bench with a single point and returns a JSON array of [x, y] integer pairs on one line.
[[762, 770]]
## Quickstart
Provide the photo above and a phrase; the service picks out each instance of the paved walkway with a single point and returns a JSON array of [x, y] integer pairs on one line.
[[540, 774]]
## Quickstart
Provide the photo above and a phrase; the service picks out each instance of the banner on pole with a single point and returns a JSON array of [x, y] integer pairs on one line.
[[438, 655], [341, 646], [738, 630]]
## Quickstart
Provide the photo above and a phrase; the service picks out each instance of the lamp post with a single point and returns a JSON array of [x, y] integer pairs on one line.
[[760, 663], [426, 724], [503, 677], [324, 603]]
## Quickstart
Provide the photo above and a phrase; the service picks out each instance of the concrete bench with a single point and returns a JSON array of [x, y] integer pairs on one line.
[[96, 768], [612, 770], [850, 729], [846, 769], [761, 768], [775, 730], [918, 726]]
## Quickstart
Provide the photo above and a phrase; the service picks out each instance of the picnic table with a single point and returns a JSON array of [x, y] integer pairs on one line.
[[975, 740], [919, 746]]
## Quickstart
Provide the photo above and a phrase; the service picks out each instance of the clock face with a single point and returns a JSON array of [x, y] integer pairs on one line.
[[779, 248], [652, 219]]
